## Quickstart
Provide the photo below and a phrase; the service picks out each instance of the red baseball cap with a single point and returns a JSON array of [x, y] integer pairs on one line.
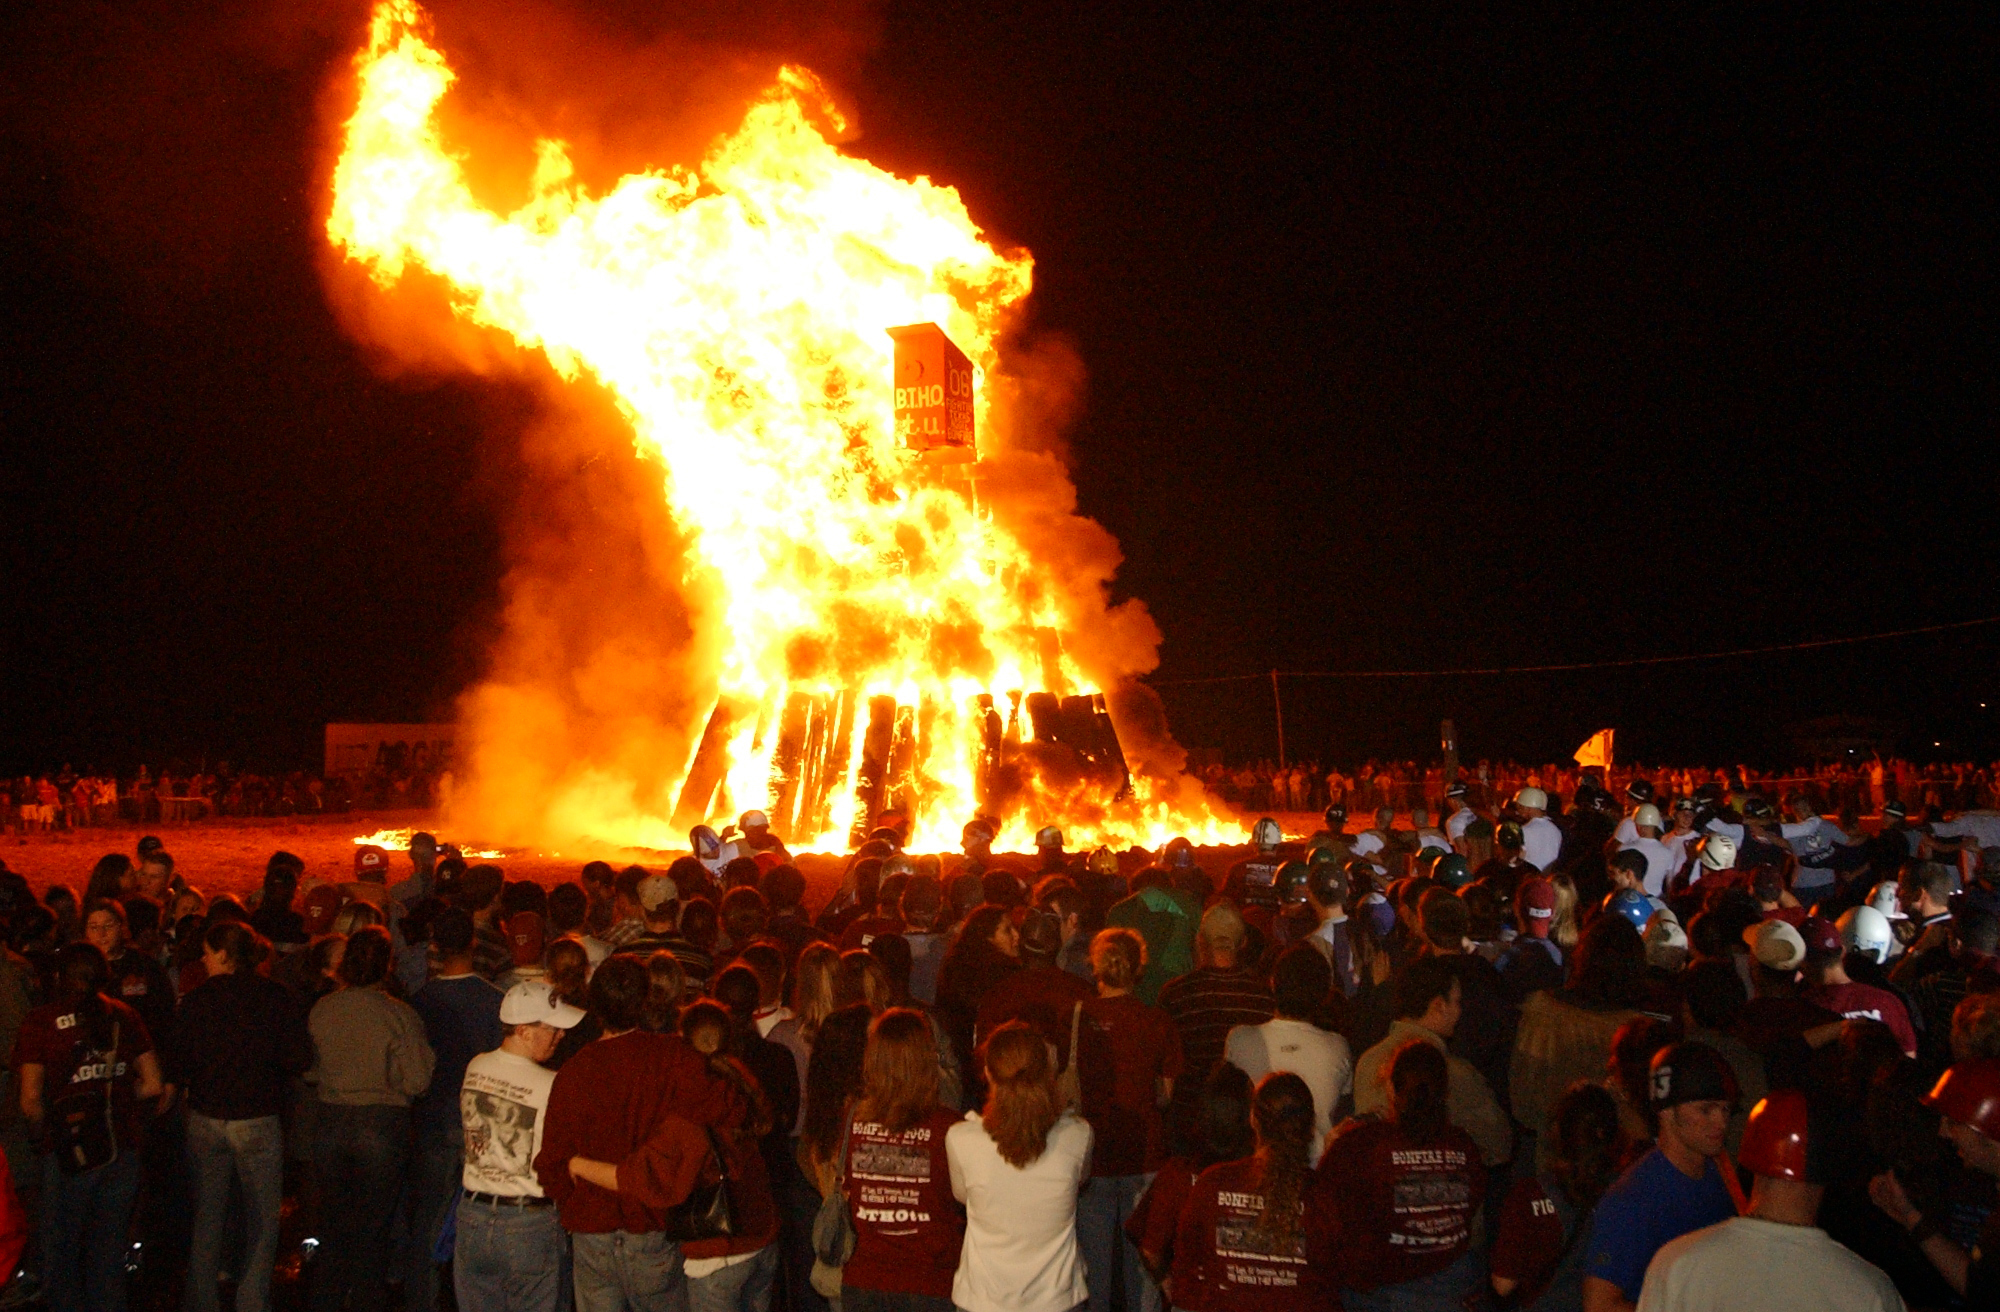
[[1538, 903], [1821, 935], [524, 935], [320, 907], [371, 862]]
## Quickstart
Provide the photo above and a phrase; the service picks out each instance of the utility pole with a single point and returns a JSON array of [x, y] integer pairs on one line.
[[1278, 705]]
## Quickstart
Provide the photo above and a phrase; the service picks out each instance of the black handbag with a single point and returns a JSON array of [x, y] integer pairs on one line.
[[709, 1211]]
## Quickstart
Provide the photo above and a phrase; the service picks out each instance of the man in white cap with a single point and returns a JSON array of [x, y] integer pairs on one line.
[[511, 1250], [756, 836], [1645, 840], [1541, 840]]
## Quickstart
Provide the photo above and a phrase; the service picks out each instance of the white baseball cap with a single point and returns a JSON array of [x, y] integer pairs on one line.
[[534, 1002], [655, 891], [1776, 944], [1533, 799]]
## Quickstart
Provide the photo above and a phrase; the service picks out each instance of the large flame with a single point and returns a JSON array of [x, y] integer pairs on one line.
[[737, 313]]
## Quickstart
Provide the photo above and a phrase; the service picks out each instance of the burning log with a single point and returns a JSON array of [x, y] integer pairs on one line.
[[710, 766]]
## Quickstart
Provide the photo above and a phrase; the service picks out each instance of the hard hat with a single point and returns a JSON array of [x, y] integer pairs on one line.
[[1864, 929], [1323, 853], [1178, 854], [1631, 904], [1049, 836], [1888, 901], [1292, 875], [1782, 1141], [1426, 858], [705, 842], [1969, 1093], [1336, 816], [1508, 836], [1758, 808], [977, 830], [1639, 791], [1718, 851], [1265, 833], [1894, 811], [1452, 871], [1457, 789], [753, 820], [1532, 799], [1689, 1072], [1104, 861], [1664, 937], [1647, 814]]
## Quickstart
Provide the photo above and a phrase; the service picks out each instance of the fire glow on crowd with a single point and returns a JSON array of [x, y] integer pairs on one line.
[[883, 625]]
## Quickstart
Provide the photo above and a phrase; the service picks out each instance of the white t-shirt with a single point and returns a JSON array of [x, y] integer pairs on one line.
[[1020, 1251], [1626, 833], [1983, 826], [505, 1106], [1541, 842], [1660, 862], [1812, 843], [1735, 832], [1432, 838], [1459, 821], [1323, 1060], [1763, 1266]]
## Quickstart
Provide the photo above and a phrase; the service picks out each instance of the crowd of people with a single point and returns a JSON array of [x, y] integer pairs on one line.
[[66, 800], [1674, 1051]]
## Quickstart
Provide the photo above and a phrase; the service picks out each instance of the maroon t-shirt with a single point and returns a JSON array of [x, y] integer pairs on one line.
[[52, 1037], [1866, 1002], [1223, 1264], [907, 1226], [1157, 1215], [862, 932], [1405, 1208], [1131, 1134], [1528, 1242]]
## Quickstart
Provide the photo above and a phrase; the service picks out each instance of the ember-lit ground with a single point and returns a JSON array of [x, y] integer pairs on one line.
[[228, 855]]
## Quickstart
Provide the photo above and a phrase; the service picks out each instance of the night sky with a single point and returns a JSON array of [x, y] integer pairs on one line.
[[1415, 340]]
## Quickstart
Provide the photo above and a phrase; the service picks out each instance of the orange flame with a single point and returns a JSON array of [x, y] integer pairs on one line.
[[737, 313]]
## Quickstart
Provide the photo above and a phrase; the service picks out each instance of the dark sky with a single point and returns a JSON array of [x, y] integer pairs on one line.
[[1415, 340]]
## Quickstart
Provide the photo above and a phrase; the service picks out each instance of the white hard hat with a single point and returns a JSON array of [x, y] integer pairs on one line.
[[1864, 929], [1886, 900], [1718, 851], [1647, 815], [1049, 836], [1265, 833], [1533, 799], [754, 820]]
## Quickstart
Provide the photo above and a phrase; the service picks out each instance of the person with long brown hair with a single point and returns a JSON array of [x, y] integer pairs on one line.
[[1255, 1234], [1017, 1166], [908, 1227], [1539, 1252], [813, 989], [1393, 1254], [988, 950]]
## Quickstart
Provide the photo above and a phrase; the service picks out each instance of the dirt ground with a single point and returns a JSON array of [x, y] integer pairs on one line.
[[228, 855]]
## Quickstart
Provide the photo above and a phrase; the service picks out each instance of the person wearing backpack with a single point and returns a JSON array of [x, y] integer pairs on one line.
[[87, 1071]]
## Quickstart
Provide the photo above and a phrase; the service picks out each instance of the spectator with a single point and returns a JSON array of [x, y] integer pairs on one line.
[[1428, 1006], [1539, 1250], [1828, 985], [1774, 1258], [510, 1251], [134, 979], [238, 1043], [1967, 1099], [1565, 1036], [1018, 1167], [274, 917], [372, 1060], [833, 1079], [1219, 1131], [1392, 1256], [80, 1058], [1047, 997], [461, 1016], [1166, 918], [1300, 983], [1675, 1188], [908, 1227], [988, 949], [921, 905], [1221, 993], [607, 1102], [479, 894], [1128, 1128], [1255, 1234]]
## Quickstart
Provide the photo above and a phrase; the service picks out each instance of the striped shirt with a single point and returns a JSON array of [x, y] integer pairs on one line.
[[1206, 1003]]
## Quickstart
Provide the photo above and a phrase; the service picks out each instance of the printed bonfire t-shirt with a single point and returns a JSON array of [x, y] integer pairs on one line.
[[505, 1106], [908, 1228], [1224, 1260]]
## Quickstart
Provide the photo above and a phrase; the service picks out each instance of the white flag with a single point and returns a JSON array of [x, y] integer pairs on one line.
[[1597, 751]]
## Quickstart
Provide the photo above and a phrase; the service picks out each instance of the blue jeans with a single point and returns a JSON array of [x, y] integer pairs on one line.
[[253, 1153], [1111, 1261], [86, 1224], [509, 1259], [1441, 1291], [359, 1155], [617, 1271], [437, 1172], [743, 1287]]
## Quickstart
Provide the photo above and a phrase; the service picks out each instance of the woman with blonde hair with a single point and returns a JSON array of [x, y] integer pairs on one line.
[[1017, 1165], [908, 1228], [814, 995], [1565, 933]]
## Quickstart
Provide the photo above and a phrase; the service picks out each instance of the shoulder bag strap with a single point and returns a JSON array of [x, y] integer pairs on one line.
[[1075, 1023], [715, 1149]]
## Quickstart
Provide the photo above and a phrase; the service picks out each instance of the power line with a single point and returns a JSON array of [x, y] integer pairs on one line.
[[1581, 665]]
